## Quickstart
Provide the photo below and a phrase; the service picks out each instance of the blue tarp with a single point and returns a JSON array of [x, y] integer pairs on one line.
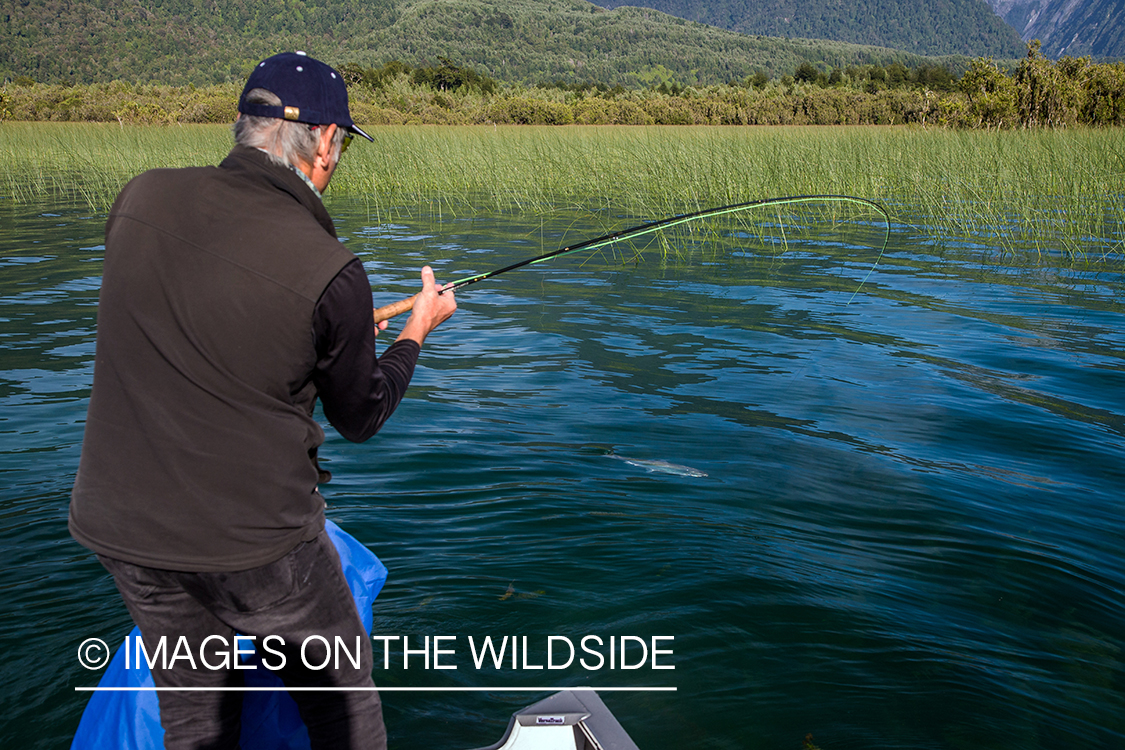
[[130, 720]]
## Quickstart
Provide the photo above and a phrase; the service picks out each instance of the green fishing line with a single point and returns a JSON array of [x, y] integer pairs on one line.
[[656, 226], [388, 311]]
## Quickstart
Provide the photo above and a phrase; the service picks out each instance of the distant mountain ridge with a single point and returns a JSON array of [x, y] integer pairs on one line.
[[529, 41], [930, 27], [1068, 27]]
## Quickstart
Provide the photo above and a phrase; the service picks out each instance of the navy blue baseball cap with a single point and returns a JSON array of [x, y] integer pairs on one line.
[[310, 92]]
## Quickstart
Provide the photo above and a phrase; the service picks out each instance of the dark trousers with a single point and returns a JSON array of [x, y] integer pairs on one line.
[[301, 595]]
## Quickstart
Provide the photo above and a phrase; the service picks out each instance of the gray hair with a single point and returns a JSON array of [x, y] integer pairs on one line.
[[285, 141]]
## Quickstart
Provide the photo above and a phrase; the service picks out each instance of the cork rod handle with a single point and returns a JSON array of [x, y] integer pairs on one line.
[[386, 312]]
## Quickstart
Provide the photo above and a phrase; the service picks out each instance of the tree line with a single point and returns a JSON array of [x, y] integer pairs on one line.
[[1038, 92]]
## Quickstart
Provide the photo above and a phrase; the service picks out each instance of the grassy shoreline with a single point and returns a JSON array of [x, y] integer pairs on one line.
[[1050, 191]]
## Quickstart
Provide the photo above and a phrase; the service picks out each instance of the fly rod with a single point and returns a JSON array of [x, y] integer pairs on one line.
[[397, 308]]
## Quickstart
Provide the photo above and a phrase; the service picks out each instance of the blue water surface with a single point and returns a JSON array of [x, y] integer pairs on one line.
[[874, 500]]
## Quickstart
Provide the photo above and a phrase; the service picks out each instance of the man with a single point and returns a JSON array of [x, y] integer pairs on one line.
[[227, 308]]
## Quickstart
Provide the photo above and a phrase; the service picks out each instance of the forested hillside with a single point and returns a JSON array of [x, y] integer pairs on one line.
[[531, 41], [173, 41], [1065, 27], [935, 27], [571, 40]]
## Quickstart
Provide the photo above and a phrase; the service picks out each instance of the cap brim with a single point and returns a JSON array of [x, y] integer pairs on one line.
[[355, 129]]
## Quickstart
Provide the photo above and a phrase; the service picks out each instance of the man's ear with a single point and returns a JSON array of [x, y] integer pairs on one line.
[[324, 146]]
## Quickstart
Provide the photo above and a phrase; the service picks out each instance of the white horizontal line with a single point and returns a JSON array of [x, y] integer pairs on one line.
[[379, 689]]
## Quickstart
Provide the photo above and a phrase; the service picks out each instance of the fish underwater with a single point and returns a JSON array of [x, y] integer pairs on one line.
[[660, 466]]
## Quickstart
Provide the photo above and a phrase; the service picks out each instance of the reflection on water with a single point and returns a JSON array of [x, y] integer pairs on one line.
[[901, 529]]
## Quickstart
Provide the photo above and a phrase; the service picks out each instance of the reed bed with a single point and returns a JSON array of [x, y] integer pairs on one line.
[[1044, 191], [93, 161]]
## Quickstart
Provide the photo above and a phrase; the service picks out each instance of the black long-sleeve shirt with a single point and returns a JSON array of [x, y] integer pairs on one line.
[[357, 394]]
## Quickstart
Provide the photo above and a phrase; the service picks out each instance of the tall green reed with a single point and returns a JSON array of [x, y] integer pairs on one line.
[[92, 162], [1041, 192]]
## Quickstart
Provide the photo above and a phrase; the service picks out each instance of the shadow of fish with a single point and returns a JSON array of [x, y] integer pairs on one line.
[[511, 592], [663, 467]]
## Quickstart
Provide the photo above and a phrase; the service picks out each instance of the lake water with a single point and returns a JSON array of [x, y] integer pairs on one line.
[[902, 526]]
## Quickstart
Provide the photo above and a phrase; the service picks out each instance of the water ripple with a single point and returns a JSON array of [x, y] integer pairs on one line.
[[908, 535]]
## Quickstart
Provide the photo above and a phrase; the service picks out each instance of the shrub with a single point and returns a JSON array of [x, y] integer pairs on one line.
[[595, 111], [1105, 95], [529, 111], [992, 94]]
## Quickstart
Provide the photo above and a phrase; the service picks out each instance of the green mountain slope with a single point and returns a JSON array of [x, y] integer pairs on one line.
[[533, 41], [172, 41], [934, 27], [574, 41]]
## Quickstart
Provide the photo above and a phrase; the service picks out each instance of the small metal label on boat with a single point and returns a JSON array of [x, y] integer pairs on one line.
[[550, 719]]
